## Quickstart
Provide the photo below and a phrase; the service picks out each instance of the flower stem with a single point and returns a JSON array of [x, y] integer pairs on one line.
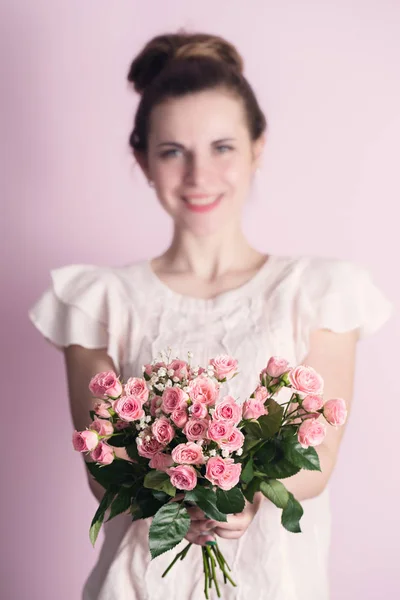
[[181, 555], [206, 572], [212, 560]]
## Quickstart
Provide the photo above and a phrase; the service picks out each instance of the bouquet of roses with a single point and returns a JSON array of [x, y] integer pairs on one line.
[[187, 446]]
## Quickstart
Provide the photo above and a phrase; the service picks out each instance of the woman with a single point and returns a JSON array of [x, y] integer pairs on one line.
[[198, 137]]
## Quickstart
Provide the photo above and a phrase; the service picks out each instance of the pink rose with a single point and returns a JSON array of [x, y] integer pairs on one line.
[[163, 430], [179, 416], [148, 448], [276, 366], [85, 441], [253, 408], [311, 433], [312, 403], [172, 398], [102, 409], [230, 477], [102, 427], [128, 408], [136, 387], [180, 369], [335, 411], [155, 403], [219, 430], [306, 380], [183, 477], [161, 461], [199, 410], [105, 384], [224, 473], [148, 369], [103, 454], [203, 389], [261, 393], [234, 441], [228, 410], [215, 469], [190, 454], [195, 429], [224, 366]]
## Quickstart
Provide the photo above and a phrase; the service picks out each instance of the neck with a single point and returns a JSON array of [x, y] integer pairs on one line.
[[210, 256]]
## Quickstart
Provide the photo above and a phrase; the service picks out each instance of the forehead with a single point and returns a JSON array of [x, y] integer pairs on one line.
[[204, 115]]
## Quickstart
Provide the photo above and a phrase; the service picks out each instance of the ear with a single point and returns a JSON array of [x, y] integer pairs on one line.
[[257, 150], [141, 159]]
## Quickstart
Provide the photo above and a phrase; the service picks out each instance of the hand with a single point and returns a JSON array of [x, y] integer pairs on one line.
[[233, 528], [237, 524]]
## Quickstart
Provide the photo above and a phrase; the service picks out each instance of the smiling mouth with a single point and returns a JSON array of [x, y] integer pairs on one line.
[[200, 200]]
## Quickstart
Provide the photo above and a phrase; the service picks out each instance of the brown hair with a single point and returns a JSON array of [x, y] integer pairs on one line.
[[174, 65]]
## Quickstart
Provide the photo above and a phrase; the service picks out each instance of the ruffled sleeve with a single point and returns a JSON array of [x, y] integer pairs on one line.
[[83, 305], [338, 295]]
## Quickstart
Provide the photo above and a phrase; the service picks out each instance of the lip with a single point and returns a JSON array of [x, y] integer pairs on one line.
[[202, 208], [198, 196]]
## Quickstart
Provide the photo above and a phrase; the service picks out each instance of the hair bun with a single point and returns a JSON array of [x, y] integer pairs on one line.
[[163, 49]]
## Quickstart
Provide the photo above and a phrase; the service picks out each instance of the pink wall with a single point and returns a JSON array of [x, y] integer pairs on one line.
[[327, 75]]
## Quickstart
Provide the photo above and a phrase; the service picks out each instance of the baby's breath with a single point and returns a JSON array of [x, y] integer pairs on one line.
[[225, 453], [239, 452]]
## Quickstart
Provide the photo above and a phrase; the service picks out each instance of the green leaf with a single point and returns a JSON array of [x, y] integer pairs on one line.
[[230, 501], [161, 496], [249, 444], [158, 480], [271, 422], [121, 440], [121, 503], [206, 500], [292, 514], [247, 473], [117, 473], [266, 453], [99, 515], [279, 469], [305, 458], [275, 491], [253, 429], [251, 489], [145, 504], [92, 414], [169, 526]]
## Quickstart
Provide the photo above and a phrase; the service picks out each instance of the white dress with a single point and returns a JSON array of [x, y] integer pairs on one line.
[[131, 312]]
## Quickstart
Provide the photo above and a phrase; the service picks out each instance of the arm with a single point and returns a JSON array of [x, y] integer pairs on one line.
[[81, 365], [333, 356]]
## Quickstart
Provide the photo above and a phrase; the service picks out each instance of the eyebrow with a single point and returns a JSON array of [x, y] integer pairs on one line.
[[182, 146]]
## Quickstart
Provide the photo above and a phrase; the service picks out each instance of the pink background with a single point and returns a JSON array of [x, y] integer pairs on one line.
[[327, 75]]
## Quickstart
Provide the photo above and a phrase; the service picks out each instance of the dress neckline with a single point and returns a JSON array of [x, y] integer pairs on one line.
[[220, 299]]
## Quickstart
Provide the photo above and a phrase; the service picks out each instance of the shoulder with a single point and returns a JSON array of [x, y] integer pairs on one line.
[[341, 294], [116, 282]]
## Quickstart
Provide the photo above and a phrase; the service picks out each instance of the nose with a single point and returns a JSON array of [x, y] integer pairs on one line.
[[198, 171]]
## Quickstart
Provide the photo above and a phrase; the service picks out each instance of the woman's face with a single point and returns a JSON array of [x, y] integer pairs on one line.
[[201, 159]]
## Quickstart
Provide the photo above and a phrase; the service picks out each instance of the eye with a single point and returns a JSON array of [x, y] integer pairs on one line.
[[172, 152], [223, 148]]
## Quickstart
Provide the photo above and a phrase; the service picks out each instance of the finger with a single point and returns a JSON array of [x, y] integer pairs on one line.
[[200, 540], [229, 534], [233, 522], [200, 527], [196, 513]]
